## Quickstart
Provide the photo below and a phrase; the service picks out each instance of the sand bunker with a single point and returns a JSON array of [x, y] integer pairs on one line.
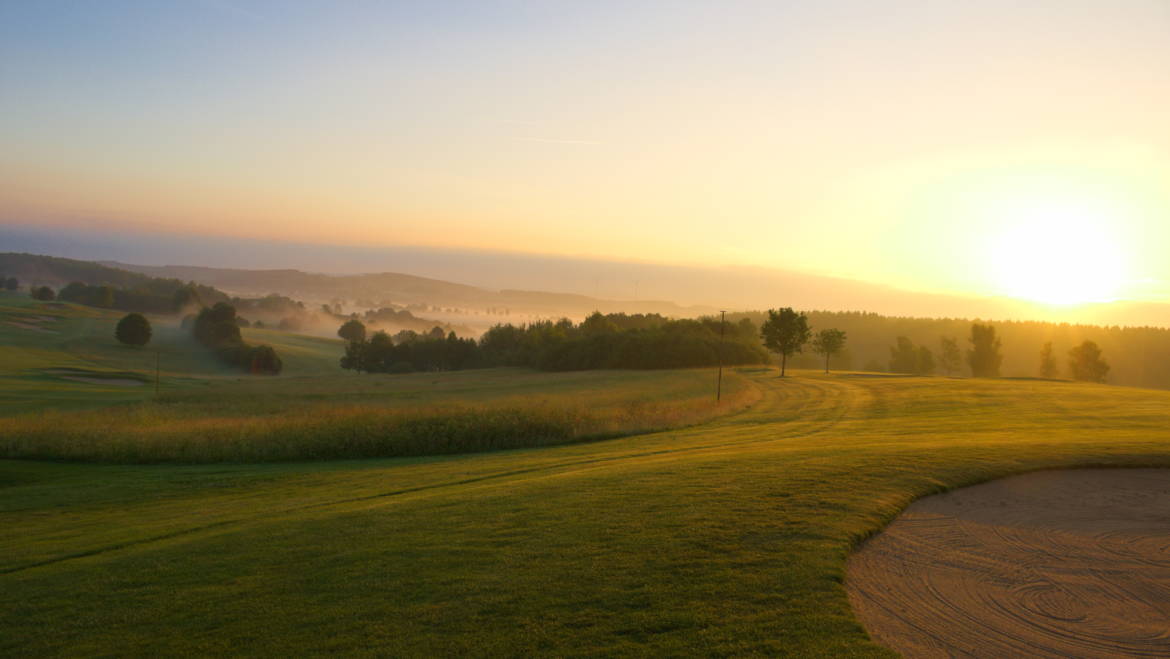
[[1053, 564]]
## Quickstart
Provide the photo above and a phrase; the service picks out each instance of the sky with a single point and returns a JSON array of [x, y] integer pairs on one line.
[[990, 148]]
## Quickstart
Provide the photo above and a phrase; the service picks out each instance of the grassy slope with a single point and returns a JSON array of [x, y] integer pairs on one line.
[[37, 338], [727, 538]]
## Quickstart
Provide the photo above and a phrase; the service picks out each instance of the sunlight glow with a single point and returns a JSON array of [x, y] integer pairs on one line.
[[1059, 253]]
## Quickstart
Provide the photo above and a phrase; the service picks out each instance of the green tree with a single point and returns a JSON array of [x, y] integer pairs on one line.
[[949, 356], [1085, 363], [925, 362], [1048, 368], [43, 293], [597, 324], [133, 330], [354, 358], [828, 342], [352, 330], [264, 361], [903, 356], [984, 357], [785, 332], [11, 284], [187, 296]]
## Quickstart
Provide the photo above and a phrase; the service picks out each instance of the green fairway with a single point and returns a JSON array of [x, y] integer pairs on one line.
[[723, 538]]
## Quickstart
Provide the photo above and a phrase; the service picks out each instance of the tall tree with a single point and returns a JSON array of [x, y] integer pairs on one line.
[[903, 356], [948, 355], [1085, 363], [828, 342], [133, 330], [353, 330], [984, 357], [1048, 368], [785, 332], [925, 361]]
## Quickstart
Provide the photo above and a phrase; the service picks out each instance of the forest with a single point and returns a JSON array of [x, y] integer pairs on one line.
[[601, 341]]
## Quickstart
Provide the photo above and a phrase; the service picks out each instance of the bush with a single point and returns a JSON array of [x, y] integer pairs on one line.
[[218, 328], [264, 361], [43, 293], [133, 330]]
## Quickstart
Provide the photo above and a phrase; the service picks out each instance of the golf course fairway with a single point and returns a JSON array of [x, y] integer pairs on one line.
[[725, 538]]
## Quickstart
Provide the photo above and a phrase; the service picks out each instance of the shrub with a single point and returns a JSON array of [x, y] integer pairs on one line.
[[133, 330], [218, 328]]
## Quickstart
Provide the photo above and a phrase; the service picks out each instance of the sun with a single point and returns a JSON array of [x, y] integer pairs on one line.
[[1058, 253]]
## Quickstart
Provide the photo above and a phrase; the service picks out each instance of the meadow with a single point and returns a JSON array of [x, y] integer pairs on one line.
[[726, 533], [73, 393]]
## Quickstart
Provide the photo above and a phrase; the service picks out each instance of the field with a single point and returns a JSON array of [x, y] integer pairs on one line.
[[73, 393], [723, 537]]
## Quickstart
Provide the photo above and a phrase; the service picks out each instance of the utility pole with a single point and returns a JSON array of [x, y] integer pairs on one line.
[[719, 382]]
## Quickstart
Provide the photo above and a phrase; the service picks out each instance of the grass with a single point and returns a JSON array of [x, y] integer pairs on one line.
[[73, 393], [40, 340], [726, 538], [407, 416]]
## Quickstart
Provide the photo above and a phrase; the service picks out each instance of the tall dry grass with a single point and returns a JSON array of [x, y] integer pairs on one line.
[[153, 432]]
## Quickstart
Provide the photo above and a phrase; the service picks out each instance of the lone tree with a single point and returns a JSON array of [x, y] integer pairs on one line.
[[1048, 367], [785, 332], [948, 355], [353, 331], [984, 356], [828, 342], [43, 293], [133, 330], [1085, 363]]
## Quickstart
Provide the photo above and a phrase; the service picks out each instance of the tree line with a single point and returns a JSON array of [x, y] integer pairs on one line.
[[1136, 355], [985, 357], [601, 341]]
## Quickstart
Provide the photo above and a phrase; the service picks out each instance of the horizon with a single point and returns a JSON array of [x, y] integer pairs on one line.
[[697, 287], [813, 140]]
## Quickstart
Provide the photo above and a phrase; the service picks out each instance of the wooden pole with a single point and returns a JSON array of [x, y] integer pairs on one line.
[[719, 382]]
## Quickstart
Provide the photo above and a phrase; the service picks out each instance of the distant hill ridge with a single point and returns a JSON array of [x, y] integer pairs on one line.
[[402, 288]]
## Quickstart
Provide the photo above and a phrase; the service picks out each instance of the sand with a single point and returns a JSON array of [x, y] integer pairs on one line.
[[1052, 564]]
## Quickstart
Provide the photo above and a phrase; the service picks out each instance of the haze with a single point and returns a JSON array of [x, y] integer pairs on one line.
[[961, 148]]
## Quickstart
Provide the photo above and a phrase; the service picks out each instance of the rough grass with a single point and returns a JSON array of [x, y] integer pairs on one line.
[[200, 429], [727, 538]]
